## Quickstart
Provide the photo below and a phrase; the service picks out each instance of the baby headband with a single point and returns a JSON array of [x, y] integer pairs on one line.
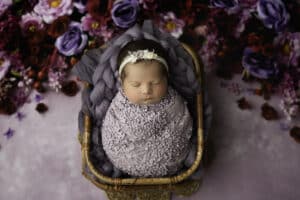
[[134, 56]]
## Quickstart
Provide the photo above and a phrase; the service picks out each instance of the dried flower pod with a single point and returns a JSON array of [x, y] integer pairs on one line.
[[70, 88], [244, 104], [37, 85], [42, 75], [295, 133], [41, 108], [73, 61], [31, 73], [268, 112]]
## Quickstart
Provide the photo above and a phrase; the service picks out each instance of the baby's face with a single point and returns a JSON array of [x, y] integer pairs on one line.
[[144, 83]]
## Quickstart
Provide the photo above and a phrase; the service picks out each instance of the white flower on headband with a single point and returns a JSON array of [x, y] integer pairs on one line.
[[134, 56]]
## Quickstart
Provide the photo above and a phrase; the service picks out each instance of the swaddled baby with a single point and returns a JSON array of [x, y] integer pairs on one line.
[[147, 128]]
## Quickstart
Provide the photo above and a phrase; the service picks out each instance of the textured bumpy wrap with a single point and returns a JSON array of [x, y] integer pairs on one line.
[[98, 67], [147, 140]]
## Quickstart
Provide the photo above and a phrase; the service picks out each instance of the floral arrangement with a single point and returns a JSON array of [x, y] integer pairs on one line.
[[42, 39]]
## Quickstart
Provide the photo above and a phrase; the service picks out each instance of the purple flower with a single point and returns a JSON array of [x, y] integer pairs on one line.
[[259, 65], [31, 22], [223, 3], [124, 13], [80, 5], [38, 98], [20, 116], [4, 64], [73, 41], [9, 133], [273, 14], [52, 9], [171, 24], [4, 4]]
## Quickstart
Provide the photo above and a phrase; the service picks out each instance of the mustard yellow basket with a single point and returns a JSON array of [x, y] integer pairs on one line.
[[148, 188]]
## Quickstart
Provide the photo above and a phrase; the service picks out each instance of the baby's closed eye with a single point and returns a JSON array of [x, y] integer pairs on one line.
[[135, 84]]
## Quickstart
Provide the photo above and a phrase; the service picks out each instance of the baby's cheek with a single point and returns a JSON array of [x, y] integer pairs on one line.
[[162, 90], [132, 95]]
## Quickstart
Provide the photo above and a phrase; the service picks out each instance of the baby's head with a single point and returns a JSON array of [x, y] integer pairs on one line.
[[143, 71]]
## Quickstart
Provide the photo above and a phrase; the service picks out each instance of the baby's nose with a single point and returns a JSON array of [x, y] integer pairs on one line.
[[146, 89]]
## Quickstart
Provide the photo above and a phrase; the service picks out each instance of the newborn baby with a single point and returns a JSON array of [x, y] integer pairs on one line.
[[147, 129]]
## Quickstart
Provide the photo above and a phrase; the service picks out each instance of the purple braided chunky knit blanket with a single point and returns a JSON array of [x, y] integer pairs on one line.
[[147, 140]]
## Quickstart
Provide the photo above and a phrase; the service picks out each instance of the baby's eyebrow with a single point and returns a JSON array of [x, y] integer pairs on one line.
[[134, 81]]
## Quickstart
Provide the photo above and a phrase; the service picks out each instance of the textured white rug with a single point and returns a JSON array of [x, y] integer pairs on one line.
[[253, 159]]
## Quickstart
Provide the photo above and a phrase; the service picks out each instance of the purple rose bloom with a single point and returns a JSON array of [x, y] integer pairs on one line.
[[223, 3], [73, 41], [273, 14], [259, 65], [124, 13]]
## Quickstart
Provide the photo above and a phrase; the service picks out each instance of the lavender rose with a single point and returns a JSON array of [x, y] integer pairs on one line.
[[273, 14], [51, 10], [124, 13], [73, 41], [223, 3], [259, 65]]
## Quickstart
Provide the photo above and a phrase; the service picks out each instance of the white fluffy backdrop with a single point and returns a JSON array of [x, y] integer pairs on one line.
[[253, 158]]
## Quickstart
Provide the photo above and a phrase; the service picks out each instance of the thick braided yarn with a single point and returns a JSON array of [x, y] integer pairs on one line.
[[99, 68]]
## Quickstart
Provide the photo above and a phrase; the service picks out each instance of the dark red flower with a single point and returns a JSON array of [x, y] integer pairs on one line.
[[99, 8], [10, 33], [59, 26]]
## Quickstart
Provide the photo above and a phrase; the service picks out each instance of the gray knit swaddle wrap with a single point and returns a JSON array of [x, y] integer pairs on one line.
[[147, 140]]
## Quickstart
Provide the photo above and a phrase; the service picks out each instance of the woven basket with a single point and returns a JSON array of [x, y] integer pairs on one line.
[[148, 188]]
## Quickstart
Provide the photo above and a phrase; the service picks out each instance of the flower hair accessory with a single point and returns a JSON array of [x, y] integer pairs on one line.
[[134, 56]]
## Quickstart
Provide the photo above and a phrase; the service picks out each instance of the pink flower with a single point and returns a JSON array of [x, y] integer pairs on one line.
[[4, 4], [50, 10], [31, 22], [289, 48], [91, 25], [94, 27], [171, 24]]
